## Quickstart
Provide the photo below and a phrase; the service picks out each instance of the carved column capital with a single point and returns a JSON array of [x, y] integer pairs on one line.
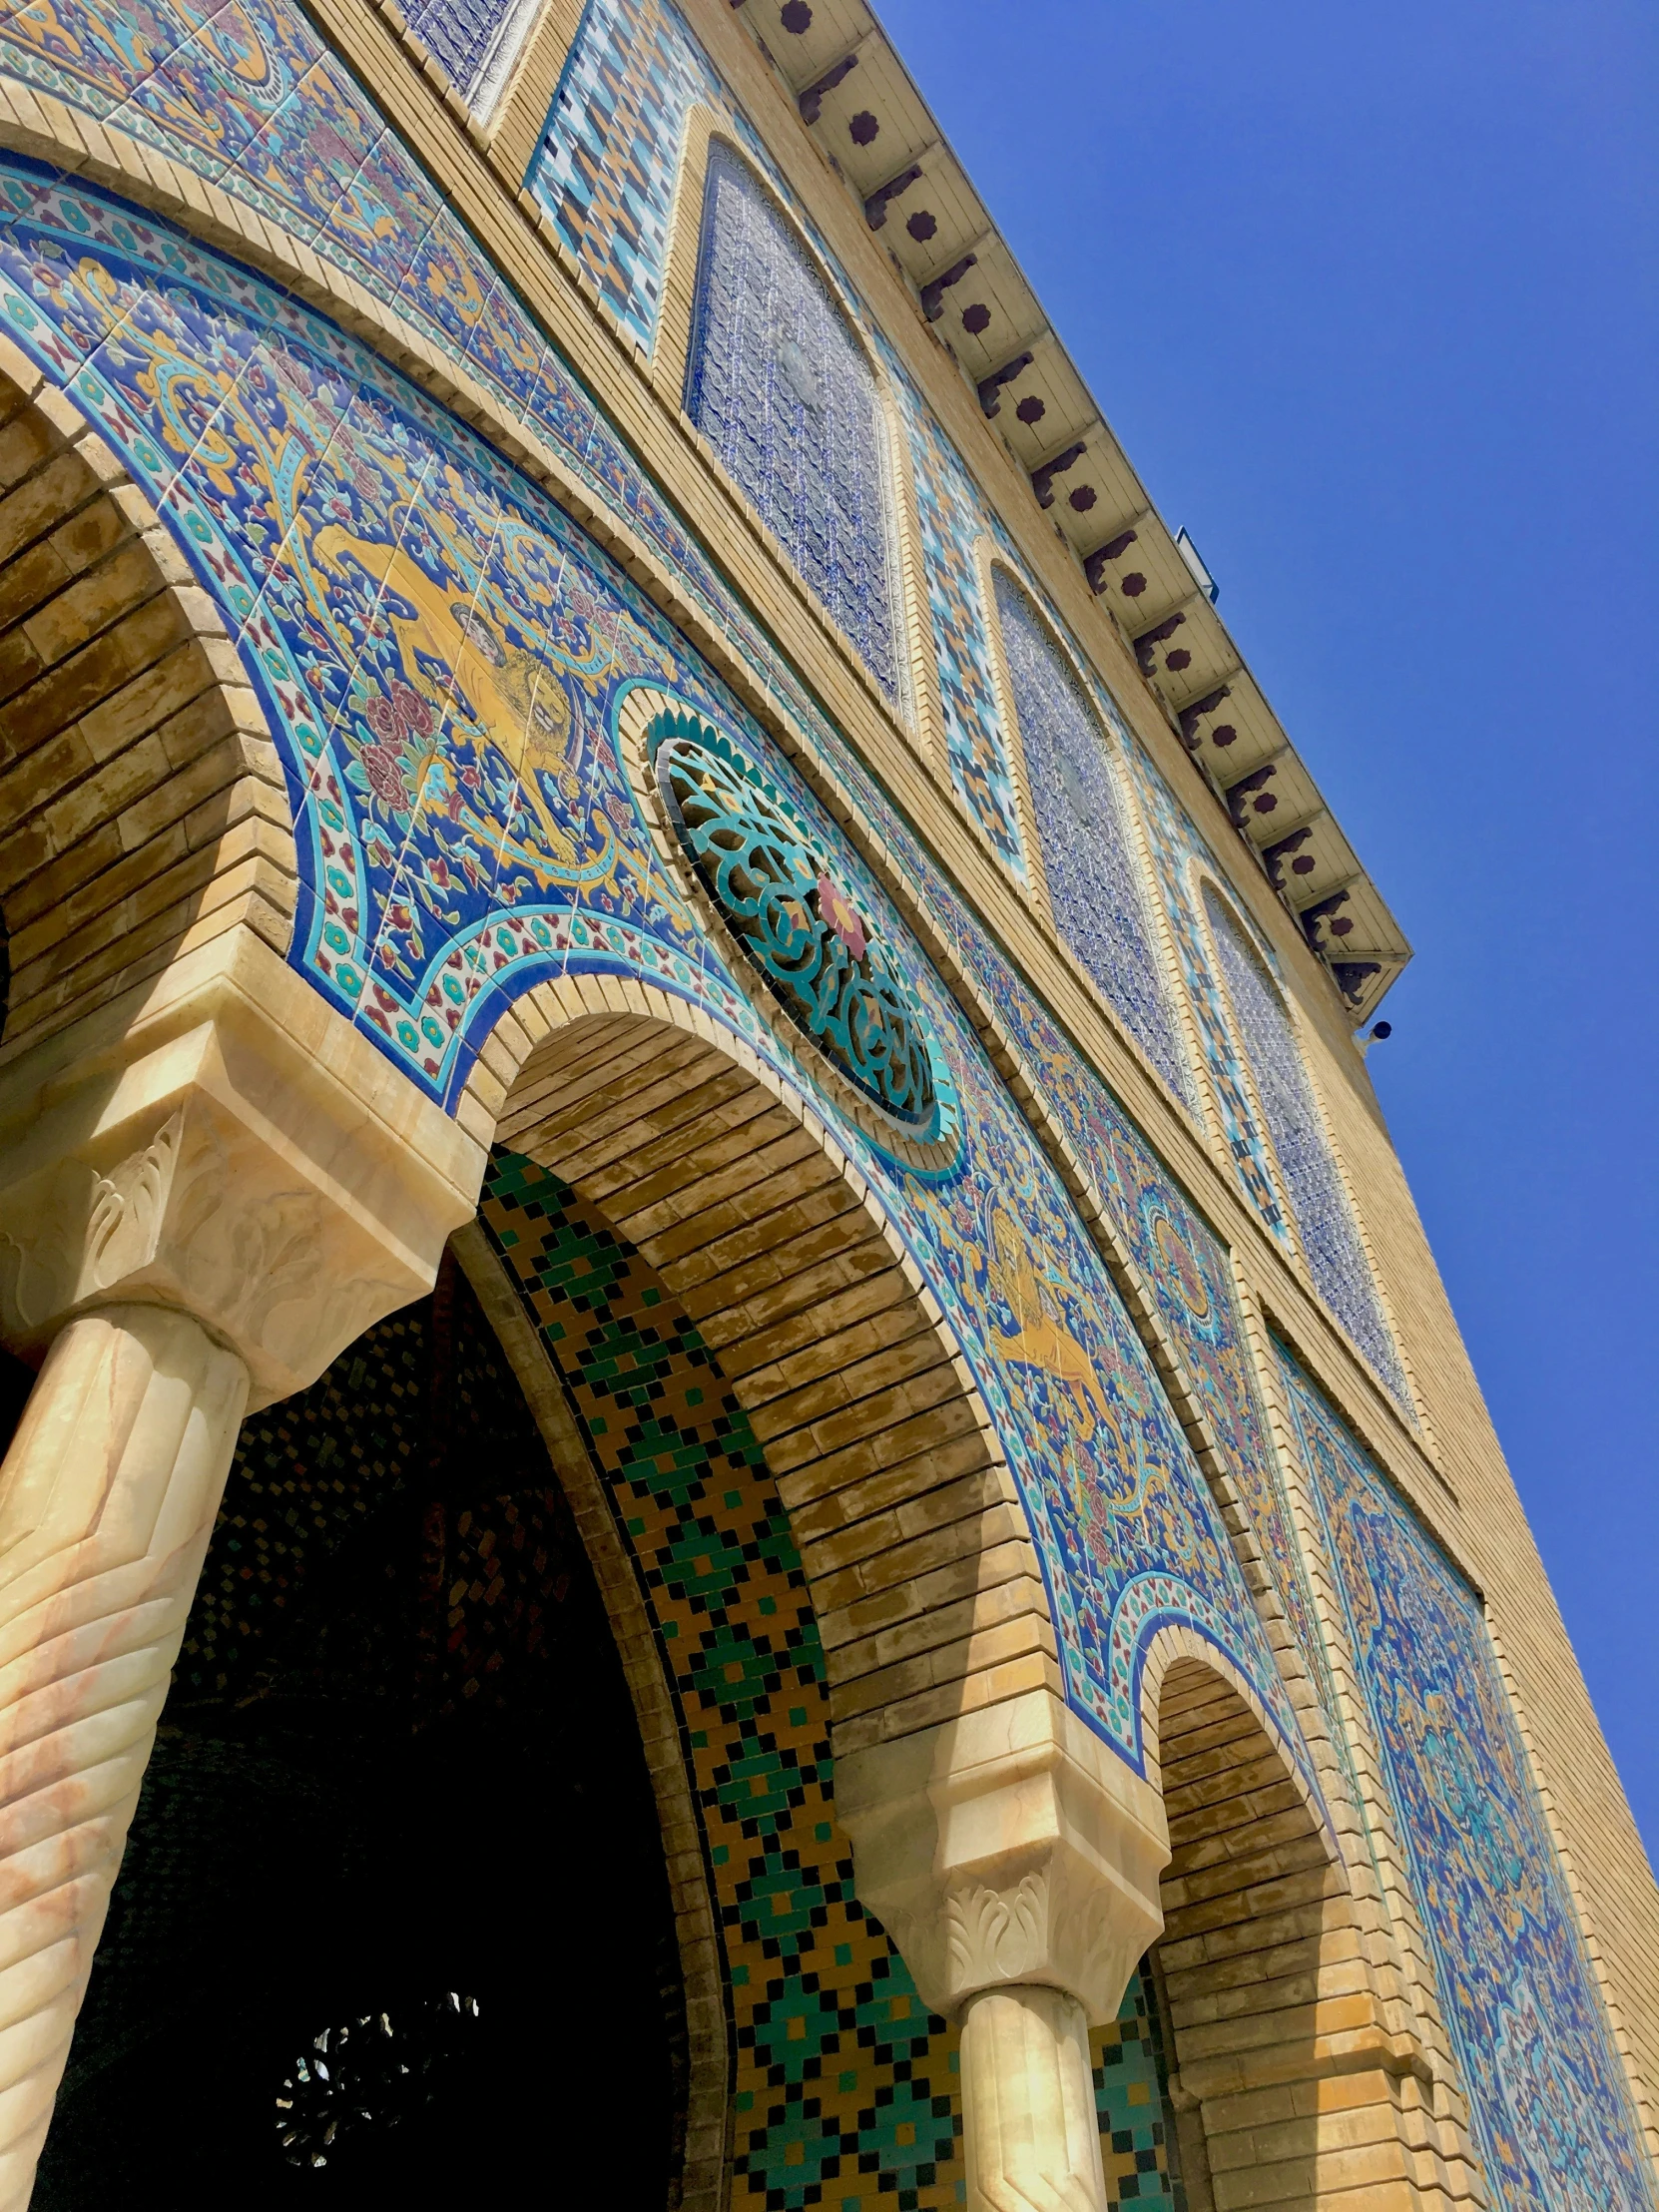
[[1007, 1848], [232, 1149]]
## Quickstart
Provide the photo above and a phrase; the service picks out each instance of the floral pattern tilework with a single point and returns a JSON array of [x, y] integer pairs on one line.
[[465, 35], [609, 156], [1088, 858], [953, 523], [784, 393], [442, 654], [1551, 2111], [1324, 1219], [1177, 848], [261, 107], [845, 2088], [1178, 1256], [608, 176]]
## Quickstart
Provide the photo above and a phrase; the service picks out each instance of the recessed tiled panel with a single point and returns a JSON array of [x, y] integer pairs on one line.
[[468, 36], [787, 397], [1551, 2110], [1089, 859], [1177, 850], [953, 526], [609, 154], [1337, 1260]]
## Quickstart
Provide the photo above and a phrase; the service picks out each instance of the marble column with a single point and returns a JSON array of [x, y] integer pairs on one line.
[[106, 1501], [203, 1200], [1014, 1860]]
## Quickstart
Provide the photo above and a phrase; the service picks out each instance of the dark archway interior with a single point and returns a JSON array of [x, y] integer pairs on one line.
[[398, 1791]]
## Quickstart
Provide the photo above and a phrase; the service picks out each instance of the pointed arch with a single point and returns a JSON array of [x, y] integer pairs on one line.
[[916, 1550], [142, 808]]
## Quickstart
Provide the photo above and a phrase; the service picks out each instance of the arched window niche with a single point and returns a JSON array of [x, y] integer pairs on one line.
[[1085, 832], [1308, 1170], [779, 383]]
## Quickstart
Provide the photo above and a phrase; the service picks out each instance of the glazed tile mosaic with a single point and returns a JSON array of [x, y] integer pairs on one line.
[[442, 656], [784, 393], [1131, 2098], [1178, 849], [845, 2089], [1092, 872], [607, 165], [953, 523], [633, 73], [250, 98], [465, 35], [441, 653], [1179, 1258], [1551, 2112], [1325, 1220], [843, 2086]]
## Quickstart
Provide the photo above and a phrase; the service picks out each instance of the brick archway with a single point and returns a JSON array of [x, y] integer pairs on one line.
[[916, 1551], [1298, 2080], [143, 810]]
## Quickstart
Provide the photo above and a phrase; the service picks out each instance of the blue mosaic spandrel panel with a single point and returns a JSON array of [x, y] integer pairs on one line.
[[1550, 2108], [953, 521], [610, 150], [462, 34], [785, 395], [1330, 1235], [1093, 874]]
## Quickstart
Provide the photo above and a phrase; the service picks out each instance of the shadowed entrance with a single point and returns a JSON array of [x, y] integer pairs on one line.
[[397, 1732]]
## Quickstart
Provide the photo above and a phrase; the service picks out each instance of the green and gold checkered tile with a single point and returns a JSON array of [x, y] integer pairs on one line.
[[845, 2089]]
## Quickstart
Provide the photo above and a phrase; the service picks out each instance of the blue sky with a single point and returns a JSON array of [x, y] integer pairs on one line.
[[1369, 294]]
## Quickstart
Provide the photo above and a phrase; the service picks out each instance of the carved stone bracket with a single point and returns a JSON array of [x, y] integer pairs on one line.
[[1008, 1848], [234, 1150]]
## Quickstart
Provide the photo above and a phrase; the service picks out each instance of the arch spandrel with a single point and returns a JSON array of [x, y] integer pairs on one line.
[[443, 659]]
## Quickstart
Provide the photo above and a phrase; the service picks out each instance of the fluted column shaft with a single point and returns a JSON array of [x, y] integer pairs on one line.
[[1032, 2138], [106, 1501]]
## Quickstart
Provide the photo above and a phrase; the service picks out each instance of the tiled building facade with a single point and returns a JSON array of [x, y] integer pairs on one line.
[[864, 1564]]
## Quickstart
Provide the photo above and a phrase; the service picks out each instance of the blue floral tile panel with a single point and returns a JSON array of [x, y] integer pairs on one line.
[[785, 395], [1551, 2110], [1335, 1257], [1088, 846]]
